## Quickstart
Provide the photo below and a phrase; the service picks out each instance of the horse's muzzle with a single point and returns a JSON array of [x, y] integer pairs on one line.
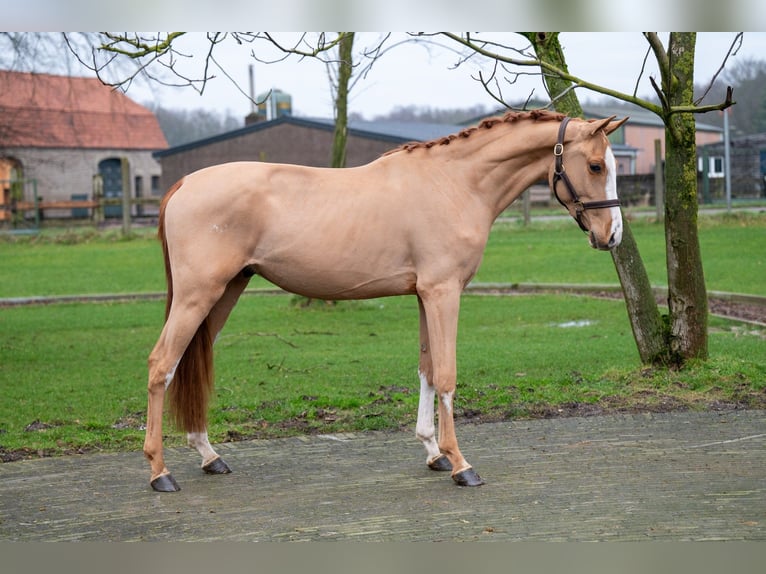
[[611, 243]]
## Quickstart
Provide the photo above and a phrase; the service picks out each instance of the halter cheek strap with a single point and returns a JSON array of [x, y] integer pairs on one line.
[[559, 174]]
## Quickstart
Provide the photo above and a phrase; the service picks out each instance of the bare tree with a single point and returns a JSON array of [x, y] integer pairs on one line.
[[643, 313], [121, 59], [337, 54], [343, 69], [686, 334]]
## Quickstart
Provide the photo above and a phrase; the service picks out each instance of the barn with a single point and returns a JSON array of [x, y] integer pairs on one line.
[[294, 140]]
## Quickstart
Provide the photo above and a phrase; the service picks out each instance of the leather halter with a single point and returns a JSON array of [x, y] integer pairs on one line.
[[559, 174]]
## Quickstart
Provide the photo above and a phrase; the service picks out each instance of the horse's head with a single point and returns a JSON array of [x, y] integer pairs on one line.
[[583, 178]]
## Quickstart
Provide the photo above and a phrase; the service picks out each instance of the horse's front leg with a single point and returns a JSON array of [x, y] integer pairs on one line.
[[441, 305], [425, 429]]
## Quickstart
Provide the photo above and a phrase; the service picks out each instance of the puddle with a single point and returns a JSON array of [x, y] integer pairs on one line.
[[570, 324]]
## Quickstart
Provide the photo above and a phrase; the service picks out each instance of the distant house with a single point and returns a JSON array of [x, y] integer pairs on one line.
[[639, 134], [65, 136], [293, 140], [747, 157]]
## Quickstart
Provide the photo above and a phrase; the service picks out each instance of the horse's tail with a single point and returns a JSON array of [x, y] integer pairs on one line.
[[192, 385]]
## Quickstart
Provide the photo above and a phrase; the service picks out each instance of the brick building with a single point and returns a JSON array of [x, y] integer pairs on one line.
[[294, 140], [60, 135]]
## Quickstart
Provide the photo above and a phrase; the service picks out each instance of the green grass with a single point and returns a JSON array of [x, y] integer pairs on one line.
[[733, 252], [78, 262], [73, 376]]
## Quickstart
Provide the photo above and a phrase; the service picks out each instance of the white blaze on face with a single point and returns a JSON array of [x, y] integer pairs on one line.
[[611, 193]]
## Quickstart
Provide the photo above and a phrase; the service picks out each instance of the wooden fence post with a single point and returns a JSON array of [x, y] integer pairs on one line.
[[526, 204], [126, 203], [98, 196]]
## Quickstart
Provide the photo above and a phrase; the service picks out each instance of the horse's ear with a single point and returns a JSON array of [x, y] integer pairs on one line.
[[608, 125]]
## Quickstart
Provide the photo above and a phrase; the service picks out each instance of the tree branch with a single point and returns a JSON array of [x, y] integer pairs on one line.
[[551, 69], [140, 47], [655, 45], [733, 49]]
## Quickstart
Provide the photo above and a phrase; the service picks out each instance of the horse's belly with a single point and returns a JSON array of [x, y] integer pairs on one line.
[[332, 284]]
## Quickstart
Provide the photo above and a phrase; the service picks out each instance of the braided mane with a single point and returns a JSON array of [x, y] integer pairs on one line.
[[509, 117]]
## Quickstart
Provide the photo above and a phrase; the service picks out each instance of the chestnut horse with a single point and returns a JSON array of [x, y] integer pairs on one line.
[[413, 222]]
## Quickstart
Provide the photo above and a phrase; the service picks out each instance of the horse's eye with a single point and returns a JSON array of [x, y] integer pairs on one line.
[[595, 167]]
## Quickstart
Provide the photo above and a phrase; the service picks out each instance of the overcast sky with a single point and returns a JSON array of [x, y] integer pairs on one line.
[[413, 74]]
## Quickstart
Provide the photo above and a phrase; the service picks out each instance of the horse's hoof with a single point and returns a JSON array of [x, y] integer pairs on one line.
[[165, 483], [217, 466], [440, 463], [467, 477]]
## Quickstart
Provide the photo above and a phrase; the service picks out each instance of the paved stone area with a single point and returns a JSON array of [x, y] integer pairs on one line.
[[674, 476]]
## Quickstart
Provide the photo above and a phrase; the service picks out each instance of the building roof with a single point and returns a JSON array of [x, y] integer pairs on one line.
[[47, 111], [640, 116], [395, 132], [755, 141]]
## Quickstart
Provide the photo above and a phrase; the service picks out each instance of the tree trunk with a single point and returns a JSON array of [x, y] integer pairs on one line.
[[687, 297], [345, 69], [645, 320]]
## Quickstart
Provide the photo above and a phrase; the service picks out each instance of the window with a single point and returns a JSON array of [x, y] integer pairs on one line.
[[715, 166], [156, 185]]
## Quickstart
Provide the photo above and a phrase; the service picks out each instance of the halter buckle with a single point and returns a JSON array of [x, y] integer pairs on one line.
[[558, 149]]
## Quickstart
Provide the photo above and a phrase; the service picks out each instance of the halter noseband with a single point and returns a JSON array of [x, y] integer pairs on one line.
[[559, 174]]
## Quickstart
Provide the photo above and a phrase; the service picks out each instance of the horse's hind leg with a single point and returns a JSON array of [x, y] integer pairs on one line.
[[176, 335], [212, 463], [192, 302]]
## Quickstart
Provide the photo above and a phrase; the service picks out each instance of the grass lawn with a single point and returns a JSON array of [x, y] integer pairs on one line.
[[733, 254], [73, 376]]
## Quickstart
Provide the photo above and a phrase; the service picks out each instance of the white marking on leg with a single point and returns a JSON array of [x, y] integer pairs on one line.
[[171, 374], [200, 441], [611, 193], [447, 401], [424, 429]]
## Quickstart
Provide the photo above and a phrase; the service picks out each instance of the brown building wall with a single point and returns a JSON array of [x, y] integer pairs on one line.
[[285, 143], [642, 138]]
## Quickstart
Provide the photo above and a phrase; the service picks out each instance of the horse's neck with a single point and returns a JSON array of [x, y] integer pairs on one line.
[[494, 165], [508, 160]]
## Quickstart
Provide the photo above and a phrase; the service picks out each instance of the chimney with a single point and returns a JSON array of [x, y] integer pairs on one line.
[[253, 116]]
